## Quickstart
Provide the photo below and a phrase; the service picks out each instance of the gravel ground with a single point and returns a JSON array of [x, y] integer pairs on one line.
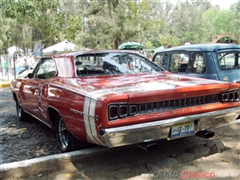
[[29, 139], [21, 140]]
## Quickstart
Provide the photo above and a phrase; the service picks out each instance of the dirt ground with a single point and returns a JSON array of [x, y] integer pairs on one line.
[[187, 158]]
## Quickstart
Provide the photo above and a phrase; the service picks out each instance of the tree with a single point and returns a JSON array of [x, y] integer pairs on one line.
[[107, 24], [236, 9], [142, 18], [168, 40], [187, 23], [222, 21], [37, 18], [101, 24], [110, 23]]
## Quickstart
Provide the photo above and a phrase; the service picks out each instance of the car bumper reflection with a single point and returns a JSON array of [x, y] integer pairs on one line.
[[150, 131]]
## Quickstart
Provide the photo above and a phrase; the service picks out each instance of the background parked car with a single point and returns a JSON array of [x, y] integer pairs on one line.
[[212, 61]]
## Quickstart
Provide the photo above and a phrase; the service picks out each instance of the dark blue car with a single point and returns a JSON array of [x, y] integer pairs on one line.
[[212, 61]]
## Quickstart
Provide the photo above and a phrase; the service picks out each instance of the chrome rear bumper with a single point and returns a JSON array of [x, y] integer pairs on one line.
[[156, 130]]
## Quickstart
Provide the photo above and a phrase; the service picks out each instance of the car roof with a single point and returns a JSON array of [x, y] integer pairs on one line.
[[204, 47], [91, 51]]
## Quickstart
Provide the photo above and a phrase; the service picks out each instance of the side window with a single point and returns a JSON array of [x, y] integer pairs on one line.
[[46, 70], [238, 60], [161, 60], [174, 63], [178, 62], [228, 61], [198, 64]]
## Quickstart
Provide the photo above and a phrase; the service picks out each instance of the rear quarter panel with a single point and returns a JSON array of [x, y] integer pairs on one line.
[[69, 105]]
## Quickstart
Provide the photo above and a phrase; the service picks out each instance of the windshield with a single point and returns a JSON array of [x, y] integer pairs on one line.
[[113, 63]]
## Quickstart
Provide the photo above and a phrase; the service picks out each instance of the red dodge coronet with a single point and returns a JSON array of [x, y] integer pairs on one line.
[[115, 98]]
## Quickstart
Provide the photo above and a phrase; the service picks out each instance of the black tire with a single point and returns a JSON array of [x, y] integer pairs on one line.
[[67, 141], [21, 114]]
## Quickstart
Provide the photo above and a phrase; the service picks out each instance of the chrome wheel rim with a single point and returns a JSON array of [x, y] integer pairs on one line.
[[19, 111], [62, 134]]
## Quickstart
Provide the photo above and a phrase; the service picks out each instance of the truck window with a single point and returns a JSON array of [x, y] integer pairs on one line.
[[178, 62], [161, 60], [198, 64], [229, 61]]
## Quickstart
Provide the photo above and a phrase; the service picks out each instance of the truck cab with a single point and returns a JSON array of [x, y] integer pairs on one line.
[[216, 61]]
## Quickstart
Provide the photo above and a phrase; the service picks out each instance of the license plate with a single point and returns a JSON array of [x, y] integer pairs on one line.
[[183, 129]]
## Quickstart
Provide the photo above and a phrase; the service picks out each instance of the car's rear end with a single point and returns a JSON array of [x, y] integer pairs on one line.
[[164, 107]]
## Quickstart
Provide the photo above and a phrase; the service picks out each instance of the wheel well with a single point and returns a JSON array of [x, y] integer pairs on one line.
[[14, 96], [53, 115]]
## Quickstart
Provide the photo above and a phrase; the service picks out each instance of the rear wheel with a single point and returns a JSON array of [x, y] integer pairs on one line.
[[21, 114], [66, 140]]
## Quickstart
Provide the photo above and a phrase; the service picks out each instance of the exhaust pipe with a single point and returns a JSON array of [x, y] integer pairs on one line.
[[205, 134], [148, 146]]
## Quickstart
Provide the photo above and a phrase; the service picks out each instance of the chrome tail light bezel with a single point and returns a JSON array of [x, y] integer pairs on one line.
[[121, 111]]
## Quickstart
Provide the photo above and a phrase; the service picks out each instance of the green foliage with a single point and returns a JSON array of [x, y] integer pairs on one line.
[[8, 33], [40, 16], [222, 21], [73, 27], [142, 19], [237, 21], [168, 40], [107, 24], [149, 45], [187, 23]]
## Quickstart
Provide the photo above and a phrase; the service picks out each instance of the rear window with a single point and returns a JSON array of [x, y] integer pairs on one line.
[[113, 63], [229, 61]]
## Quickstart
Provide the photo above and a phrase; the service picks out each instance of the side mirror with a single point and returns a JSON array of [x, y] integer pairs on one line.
[[30, 75]]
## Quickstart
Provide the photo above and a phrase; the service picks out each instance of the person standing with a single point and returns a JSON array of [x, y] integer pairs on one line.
[[25, 65], [4, 66]]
